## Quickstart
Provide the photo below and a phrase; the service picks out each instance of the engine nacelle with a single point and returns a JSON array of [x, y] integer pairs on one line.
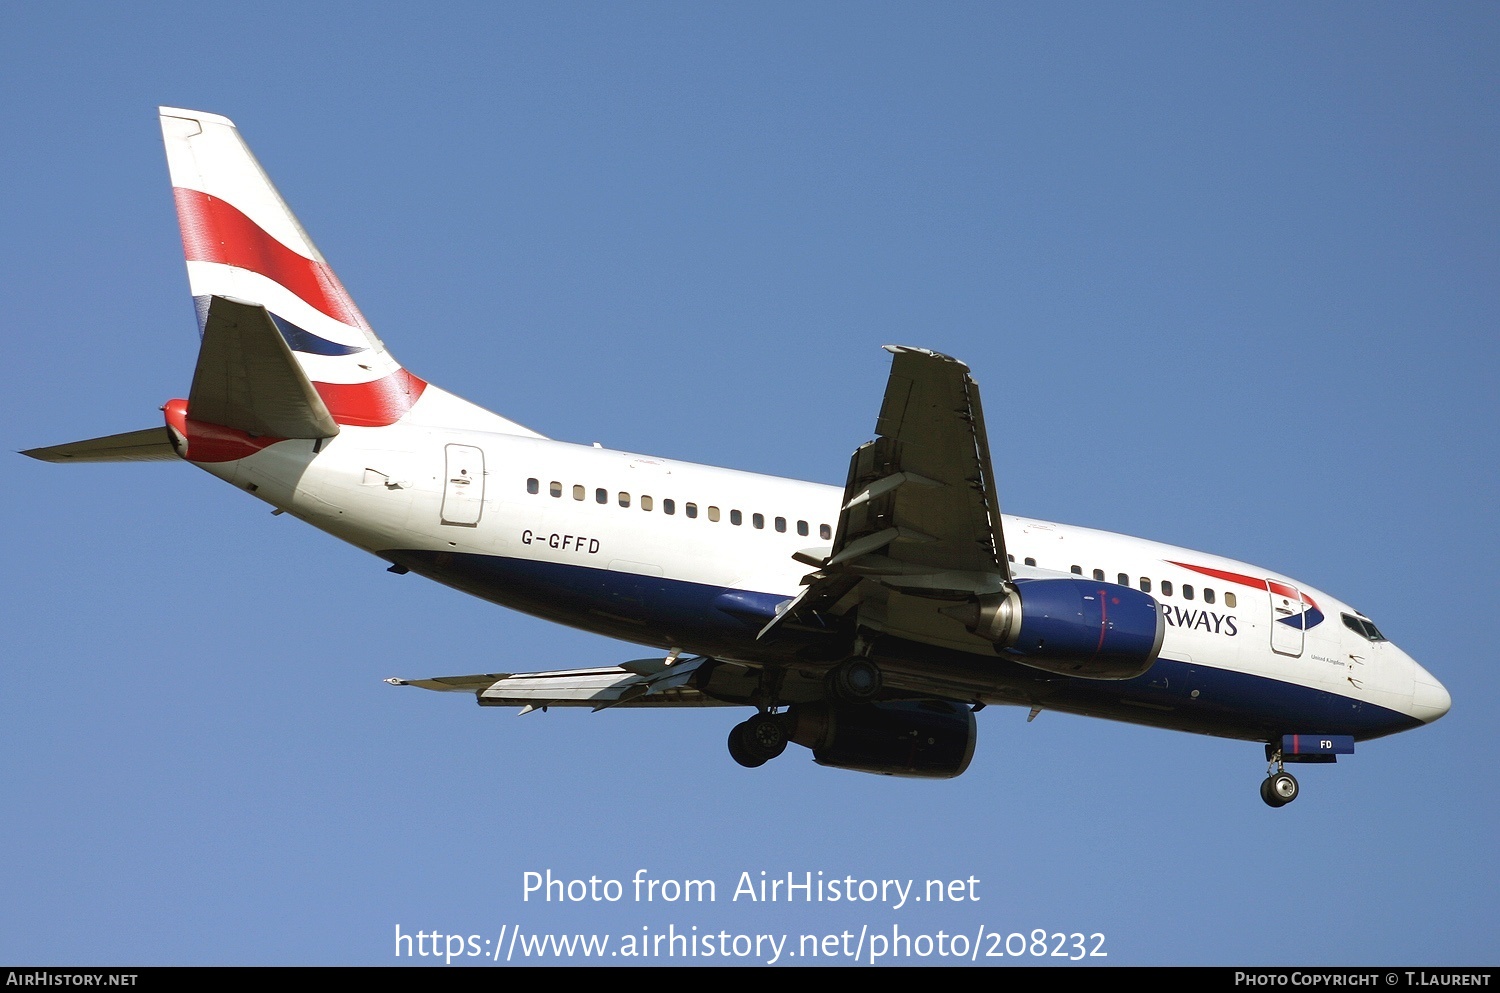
[[1075, 627], [926, 739]]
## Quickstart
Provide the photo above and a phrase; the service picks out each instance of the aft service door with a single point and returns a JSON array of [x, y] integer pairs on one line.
[[1288, 619], [463, 489]]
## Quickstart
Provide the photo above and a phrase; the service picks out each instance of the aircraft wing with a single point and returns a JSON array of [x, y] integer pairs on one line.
[[920, 526], [641, 683]]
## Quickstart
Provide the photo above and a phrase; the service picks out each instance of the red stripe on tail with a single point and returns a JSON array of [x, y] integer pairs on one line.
[[372, 405], [215, 231]]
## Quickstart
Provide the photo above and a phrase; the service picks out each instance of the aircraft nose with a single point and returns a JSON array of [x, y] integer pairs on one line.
[[1430, 699]]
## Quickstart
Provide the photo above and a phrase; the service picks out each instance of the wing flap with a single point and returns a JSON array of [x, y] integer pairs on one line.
[[652, 684]]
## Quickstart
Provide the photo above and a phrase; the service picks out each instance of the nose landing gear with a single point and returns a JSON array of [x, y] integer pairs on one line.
[[1279, 787]]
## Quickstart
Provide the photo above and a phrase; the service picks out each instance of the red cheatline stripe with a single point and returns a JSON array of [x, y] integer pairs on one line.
[[215, 231], [1281, 589], [1228, 577], [1260, 584], [372, 405]]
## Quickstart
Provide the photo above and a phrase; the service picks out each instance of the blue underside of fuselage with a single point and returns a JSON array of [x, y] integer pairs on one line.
[[723, 622]]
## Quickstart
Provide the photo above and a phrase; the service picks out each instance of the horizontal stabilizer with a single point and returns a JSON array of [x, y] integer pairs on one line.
[[150, 445], [248, 379], [454, 684]]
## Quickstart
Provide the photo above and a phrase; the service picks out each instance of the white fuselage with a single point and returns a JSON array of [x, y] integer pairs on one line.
[[590, 519]]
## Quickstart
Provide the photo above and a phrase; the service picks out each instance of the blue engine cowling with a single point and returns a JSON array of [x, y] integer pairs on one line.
[[1076, 627], [926, 739]]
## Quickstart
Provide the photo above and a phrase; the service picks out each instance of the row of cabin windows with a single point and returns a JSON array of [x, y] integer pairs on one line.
[[669, 507], [1123, 579]]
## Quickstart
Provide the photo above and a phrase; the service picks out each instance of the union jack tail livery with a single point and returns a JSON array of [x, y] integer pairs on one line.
[[284, 351], [243, 243]]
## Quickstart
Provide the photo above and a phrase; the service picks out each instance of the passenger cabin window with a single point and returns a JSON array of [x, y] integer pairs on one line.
[[734, 517], [1122, 579], [669, 506], [1166, 587], [1230, 600], [691, 509], [577, 491], [781, 524], [713, 513], [1145, 585], [1076, 570], [1208, 595], [825, 532], [802, 528], [555, 488], [533, 486], [646, 503], [1099, 575], [1030, 560], [759, 521], [1187, 592], [601, 495], [624, 499]]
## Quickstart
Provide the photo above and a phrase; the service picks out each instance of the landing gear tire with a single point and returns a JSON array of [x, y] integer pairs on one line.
[[739, 752], [1279, 789], [855, 681], [765, 736], [757, 741]]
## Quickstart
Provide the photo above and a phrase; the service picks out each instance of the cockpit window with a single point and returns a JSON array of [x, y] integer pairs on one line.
[[1363, 628]]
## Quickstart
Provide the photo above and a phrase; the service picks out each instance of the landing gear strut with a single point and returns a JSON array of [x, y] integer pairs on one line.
[[1280, 787], [760, 739]]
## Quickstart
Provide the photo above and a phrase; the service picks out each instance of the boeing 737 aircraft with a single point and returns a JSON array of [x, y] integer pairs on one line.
[[868, 622]]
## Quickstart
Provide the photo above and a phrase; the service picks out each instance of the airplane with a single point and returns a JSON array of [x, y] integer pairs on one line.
[[868, 622]]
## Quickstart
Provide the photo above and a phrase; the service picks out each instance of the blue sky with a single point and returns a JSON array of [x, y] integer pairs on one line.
[[1227, 275]]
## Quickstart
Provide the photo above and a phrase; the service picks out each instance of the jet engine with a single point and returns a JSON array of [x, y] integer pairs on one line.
[[1075, 627]]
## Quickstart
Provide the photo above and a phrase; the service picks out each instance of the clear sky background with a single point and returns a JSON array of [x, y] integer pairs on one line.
[[1226, 273]]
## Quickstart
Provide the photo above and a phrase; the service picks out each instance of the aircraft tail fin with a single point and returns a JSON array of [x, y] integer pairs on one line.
[[243, 242]]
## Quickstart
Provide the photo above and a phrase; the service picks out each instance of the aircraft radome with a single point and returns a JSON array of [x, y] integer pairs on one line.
[[868, 622]]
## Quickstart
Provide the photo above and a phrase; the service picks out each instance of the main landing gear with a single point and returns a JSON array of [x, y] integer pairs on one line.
[[1280, 787], [757, 741], [764, 736], [754, 742]]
